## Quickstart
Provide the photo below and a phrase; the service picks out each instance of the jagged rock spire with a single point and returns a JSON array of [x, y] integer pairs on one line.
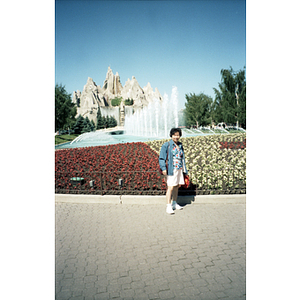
[[93, 96]]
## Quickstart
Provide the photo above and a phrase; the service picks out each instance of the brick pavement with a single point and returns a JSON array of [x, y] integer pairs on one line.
[[124, 251]]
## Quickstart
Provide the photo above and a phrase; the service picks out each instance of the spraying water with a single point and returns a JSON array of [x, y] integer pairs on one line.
[[156, 119], [174, 98]]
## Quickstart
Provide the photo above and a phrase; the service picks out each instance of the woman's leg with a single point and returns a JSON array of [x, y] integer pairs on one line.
[[174, 204], [175, 193], [169, 209], [169, 194]]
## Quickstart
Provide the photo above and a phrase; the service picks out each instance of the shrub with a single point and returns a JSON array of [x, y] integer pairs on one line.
[[129, 102], [116, 101]]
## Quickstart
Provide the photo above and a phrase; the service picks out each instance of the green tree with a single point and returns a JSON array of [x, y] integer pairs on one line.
[[64, 108], [100, 120], [72, 120], [78, 127], [197, 110], [112, 122], [230, 98], [241, 97], [105, 121], [109, 122], [93, 125], [86, 125]]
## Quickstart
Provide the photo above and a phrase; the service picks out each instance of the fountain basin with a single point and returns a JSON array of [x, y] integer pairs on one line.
[[116, 136], [101, 138]]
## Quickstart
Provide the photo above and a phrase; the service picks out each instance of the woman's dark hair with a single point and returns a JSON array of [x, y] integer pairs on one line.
[[174, 130]]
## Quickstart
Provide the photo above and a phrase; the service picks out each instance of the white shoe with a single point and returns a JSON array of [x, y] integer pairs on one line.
[[169, 210], [176, 206]]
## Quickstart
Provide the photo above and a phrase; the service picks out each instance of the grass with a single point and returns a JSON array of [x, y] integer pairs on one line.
[[59, 139]]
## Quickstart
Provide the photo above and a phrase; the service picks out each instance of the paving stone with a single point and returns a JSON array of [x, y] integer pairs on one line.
[[90, 279], [234, 293], [153, 296], [153, 289], [76, 298], [68, 275], [179, 294], [140, 294], [208, 296], [166, 294], [127, 294], [221, 295], [67, 282], [191, 291], [102, 296], [191, 271], [175, 285], [124, 280], [63, 295], [199, 283], [187, 284], [114, 295], [106, 251]]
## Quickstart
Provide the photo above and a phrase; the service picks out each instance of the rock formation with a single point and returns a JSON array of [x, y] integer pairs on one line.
[[112, 84], [149, 94], [93, 96]]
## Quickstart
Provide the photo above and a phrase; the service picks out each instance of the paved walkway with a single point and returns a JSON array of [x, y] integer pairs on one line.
[[134, 251]]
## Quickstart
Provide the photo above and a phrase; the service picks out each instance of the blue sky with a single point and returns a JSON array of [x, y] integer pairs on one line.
[[166, 43]]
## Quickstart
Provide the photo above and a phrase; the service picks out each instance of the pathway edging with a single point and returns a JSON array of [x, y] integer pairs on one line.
[[134, 199]]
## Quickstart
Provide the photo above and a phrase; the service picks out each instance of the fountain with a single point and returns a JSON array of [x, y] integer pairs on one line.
[[156, 119], [150, 122]]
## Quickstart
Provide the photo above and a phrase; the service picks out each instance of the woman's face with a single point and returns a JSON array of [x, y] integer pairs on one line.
[[176, 137]]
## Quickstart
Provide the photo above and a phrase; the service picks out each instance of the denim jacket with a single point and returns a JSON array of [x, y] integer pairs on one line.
[[163, 157]]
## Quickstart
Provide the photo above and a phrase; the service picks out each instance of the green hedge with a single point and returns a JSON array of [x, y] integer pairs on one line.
[[129, 102], [116, 101]]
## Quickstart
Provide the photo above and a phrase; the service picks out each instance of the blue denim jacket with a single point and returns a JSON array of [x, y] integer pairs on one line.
[[163, 157]]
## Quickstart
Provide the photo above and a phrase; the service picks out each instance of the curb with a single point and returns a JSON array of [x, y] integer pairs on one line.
[[145, 200]]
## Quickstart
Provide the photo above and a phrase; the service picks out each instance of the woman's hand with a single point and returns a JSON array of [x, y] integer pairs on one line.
[[164, 172]]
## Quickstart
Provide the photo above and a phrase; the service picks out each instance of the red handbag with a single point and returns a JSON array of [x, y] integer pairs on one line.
[[186, 181]]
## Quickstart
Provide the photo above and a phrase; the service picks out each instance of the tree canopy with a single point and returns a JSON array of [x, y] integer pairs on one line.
[[79, 125], [198, 109], [229, 105], [106, 121], [100, 120], [230, 98], [65, 110]]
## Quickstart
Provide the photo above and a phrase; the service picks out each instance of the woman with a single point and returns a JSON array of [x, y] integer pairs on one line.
[[172, 155]]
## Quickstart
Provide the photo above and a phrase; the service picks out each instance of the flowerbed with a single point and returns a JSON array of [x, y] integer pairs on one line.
[[135, 163], [216, 164], [233, 145], [214, 168]]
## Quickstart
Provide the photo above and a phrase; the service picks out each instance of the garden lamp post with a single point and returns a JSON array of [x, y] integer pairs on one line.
[[120, 182], [92, 184]]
